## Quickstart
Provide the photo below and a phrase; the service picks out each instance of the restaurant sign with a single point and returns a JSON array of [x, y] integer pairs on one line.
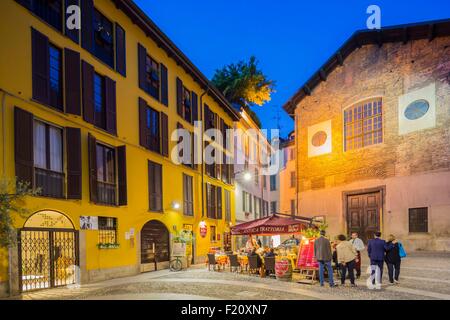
[[269, 230]]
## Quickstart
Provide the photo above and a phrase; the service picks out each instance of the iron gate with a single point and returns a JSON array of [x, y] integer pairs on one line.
[[48, 258]]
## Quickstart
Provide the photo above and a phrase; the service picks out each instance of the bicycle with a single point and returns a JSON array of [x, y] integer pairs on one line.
[[176, 264]]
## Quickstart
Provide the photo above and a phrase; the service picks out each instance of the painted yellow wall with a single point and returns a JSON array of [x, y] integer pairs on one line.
[[16, 90]]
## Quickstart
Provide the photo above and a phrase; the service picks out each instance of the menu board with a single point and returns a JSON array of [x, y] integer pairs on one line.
[[306, 257]]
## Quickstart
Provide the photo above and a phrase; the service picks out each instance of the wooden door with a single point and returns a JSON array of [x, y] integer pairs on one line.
[[155, 247], [363, 214]]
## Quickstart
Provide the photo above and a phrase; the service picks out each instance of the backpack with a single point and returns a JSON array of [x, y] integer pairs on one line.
[[401, 250]]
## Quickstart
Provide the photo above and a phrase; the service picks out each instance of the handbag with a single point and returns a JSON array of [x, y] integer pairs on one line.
[[401, 250]]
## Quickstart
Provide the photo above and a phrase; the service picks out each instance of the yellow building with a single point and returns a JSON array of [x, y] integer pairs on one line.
[[288, 181], [87, 117]]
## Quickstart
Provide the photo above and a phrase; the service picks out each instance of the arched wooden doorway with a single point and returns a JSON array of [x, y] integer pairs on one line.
[[48, 251], [155, 246]]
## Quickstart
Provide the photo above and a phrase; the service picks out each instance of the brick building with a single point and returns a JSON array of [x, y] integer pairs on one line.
[[373, 130]]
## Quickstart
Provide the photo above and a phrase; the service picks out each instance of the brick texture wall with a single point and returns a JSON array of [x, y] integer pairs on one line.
[[388, 72]]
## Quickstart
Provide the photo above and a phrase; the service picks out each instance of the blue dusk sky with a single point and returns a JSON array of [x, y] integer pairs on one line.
[[290, 38]]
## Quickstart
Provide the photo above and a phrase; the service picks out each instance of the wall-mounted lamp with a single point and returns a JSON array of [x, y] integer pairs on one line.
[[175, 205]]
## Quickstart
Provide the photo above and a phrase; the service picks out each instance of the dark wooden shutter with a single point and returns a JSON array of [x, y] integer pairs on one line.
[[41, 69], [88, 92], [121, 61], [72, 81], [164, 135], [219, 203], [179, 97], [142, 60], [74, 34], [110, 105], [164, 86], [23, 145], [143, 129], [194, 107], [122, 175], [206, 117], [92, 146], [155, 186], [73, 149], [87, 30]]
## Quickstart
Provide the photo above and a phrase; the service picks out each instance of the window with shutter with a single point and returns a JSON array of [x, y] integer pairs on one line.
[[122, 175], [72, 82], [48, 159], [106, 175], [188, 203], [121, 64], [88, 92], [155, 186], [74, 169], [194, 100], [179, 97], [164, 135], [41, 68], [87, 27], [103, 38], [49, 11], [149, 127], [164, 85], [92, 147], [110, 106], [219, 203], [99, 101], [73, 34], [418, 220], [227, 206], [23, 145]]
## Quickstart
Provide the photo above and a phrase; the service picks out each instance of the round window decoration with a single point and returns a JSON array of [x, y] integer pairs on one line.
[[319, 139], [417, 109]]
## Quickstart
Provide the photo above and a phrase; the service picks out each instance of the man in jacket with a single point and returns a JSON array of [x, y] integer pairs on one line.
[[346, 256], [376, 251], [358, 244], [322, 253]]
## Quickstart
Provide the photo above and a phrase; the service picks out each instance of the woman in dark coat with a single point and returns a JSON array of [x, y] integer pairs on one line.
[[393, 259]]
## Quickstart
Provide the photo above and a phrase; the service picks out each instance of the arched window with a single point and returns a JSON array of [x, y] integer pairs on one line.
[[363, 124]]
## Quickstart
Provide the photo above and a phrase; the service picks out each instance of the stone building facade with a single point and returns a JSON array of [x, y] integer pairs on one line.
[[373, 130]]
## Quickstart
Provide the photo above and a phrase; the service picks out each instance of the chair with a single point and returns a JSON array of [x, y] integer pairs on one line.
[[234, 262], [212, 261], [269, 265], [253, 264]]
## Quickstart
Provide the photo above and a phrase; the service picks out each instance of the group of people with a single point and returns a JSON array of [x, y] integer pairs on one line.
[[346, 254]]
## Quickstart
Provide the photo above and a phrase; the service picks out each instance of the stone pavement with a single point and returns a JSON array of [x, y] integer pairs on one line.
[[424, 275]]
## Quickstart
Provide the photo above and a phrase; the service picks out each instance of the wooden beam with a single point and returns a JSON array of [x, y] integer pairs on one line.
[[340, 58], [323, 75], [431, 32], [307, 89], [405, 35]]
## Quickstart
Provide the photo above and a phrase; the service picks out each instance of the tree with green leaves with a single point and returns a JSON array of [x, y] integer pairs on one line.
[[12, 201], [244, 85]]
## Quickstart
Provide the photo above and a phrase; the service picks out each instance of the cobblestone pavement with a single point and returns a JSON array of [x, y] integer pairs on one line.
[[424, 275]]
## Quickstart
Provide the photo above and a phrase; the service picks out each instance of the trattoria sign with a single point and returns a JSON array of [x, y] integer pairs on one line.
[[268, 230]]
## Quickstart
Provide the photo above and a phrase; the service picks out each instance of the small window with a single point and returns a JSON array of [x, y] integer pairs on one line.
[[103, 46], [273, 207], [48, 159], [55, 65], [153, 129], [417, 109], [256, 177], [273, 183], [50, 11], [363, 124], [187, 111], [107, 230], [293, 179], [213, 234], [152, 71], [106, 175], [418, 220], [99, 101]]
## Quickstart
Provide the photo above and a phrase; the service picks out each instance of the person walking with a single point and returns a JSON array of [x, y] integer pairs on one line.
[[393, 259], [346, 256], [358, 244], [376, 252], [322, 253]]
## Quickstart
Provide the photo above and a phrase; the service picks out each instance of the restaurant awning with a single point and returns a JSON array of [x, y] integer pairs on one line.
[[271, 225]]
